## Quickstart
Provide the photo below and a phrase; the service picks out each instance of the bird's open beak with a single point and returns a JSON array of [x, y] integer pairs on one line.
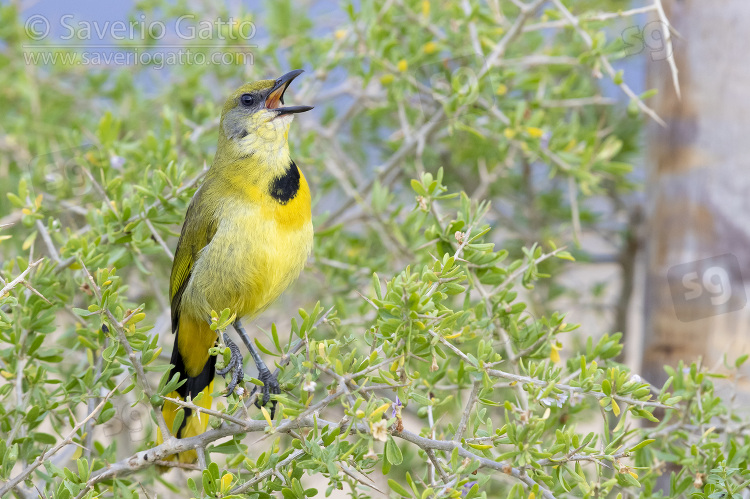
[[276, 95]]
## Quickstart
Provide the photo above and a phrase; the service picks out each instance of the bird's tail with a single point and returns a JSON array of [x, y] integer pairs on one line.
[[201, 338]]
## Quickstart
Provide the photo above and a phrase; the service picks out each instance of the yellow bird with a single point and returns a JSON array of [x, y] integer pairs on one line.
[[246, 237]]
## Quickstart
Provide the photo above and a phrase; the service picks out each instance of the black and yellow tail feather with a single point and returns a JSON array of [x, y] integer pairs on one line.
[[195, 357]]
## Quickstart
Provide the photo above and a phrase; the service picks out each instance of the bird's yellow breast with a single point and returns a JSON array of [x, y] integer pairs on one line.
[[259, 248]]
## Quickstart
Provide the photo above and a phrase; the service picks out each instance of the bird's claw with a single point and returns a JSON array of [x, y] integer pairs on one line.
[[270, 387], [234, 365]]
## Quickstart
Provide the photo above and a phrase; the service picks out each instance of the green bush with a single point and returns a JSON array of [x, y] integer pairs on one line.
[[431, 363]]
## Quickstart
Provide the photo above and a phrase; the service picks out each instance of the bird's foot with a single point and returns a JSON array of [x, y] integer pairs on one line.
[[234, 365], [270, 387]]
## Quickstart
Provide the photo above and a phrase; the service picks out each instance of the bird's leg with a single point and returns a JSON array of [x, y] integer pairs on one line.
[[270, 383], [234, 365]]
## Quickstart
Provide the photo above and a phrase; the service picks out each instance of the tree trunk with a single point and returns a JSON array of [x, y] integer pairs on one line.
[[698, 244]]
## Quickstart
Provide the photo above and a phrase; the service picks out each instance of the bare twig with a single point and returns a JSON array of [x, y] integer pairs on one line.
[[20, 278], [668, 46], [467, 411], [48, 241], [159, 240], [605, 16]]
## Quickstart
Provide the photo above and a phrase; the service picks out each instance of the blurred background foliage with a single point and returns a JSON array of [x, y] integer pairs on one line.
[[464, 152]]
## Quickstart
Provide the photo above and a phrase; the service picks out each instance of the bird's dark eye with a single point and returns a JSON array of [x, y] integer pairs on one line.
[[247, 99]]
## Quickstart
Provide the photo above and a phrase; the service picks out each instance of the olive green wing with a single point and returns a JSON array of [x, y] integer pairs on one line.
[[197, 231]]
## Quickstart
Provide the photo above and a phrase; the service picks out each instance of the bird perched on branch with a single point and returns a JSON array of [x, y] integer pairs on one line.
[[246, 237]]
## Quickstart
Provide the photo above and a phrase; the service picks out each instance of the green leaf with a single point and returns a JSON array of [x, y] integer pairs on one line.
[[393, 452], [264, 349], [83, 312], [397, 488], [178, 419], [641, 445], [416, 185], [45, 438], [741, 360], [275, 335]]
